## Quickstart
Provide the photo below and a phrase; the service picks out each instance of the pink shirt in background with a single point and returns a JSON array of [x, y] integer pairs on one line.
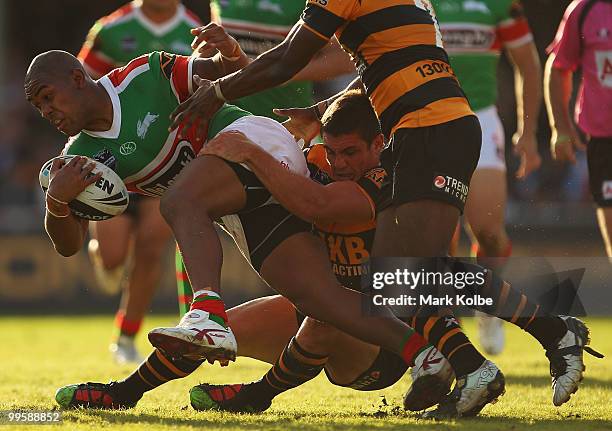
[[593, 112]]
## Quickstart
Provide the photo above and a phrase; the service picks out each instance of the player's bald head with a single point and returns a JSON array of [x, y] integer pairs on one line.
[[51, 66]]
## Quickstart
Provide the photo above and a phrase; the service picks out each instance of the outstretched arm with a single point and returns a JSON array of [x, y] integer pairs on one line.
[[342, 201], [270, 69]]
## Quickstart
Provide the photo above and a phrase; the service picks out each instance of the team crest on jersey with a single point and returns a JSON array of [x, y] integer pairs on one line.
[[377, 176], [127, 148], [142, 127]]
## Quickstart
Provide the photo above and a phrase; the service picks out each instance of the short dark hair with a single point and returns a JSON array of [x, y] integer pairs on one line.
[[351, 113]]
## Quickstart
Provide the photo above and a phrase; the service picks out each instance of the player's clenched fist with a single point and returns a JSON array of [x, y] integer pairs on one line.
[[212, 38]]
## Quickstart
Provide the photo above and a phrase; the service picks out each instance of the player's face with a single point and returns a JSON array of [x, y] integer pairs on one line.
[[350, 156], [59, 103]]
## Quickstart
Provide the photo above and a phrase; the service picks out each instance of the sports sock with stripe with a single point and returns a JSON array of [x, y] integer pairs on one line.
[[207, 300], [445, 334], [126, 326], [513, 306], [156, 370], [185, 293], [294, 367]]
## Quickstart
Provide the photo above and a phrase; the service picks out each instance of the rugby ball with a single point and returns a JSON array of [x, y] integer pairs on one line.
[[101, 200]]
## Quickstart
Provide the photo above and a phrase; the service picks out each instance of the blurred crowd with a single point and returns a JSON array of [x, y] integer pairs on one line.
[[26, 141]]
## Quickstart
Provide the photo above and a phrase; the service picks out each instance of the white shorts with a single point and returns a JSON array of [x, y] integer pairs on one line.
[[492, 152], [272, 136]]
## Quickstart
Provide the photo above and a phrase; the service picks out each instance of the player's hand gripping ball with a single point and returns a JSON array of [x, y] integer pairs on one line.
[[101, 200]]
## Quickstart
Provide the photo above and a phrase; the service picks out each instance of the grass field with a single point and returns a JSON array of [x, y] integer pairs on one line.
[[40, 354]]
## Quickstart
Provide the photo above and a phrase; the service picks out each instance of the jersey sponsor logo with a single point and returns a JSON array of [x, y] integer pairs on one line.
[[127, 148], [142, 127], [269, 6], [348, 255], [106, 157], [439, 181], [603, 59], [606, 190], [468, 38], [451, 186], [476, 6], [181, 47], [164, 178]]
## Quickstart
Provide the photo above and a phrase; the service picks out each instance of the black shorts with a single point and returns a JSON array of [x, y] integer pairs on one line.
[[256, 193], [385, 371], [265, 227], [599, 159], [434, 162]]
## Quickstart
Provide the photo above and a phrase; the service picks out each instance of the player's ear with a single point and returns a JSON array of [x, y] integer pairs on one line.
[[78, 77]]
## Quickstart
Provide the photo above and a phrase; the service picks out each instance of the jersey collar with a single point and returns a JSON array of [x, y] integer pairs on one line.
[[155, 28], [113, 132]]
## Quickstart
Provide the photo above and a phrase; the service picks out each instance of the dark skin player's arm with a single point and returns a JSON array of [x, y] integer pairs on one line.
[[270, 69], [217, 53], [66, 231], [338, 202]]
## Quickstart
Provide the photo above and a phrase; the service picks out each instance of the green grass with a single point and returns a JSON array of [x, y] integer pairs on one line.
[[41, 354]]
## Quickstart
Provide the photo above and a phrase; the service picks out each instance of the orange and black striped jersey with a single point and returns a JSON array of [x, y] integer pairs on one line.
[[397, 48], [349, 244]]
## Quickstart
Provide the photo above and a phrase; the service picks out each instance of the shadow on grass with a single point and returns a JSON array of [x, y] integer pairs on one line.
[[392, 419]]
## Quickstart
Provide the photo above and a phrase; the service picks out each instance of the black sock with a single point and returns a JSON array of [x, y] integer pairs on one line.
[[446, 335], [156, 370], [295, 367]]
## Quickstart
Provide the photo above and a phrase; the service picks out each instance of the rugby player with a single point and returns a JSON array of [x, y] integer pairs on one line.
[[264, 326], [257, 28], [434, 139], [325, 206], [103, 115], [135, 29], [474, 41]]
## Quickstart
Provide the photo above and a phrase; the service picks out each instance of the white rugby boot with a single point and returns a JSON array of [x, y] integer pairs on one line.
[[196, 337], [432, 378], [471, 393], [491, 333], [566, 360], [124, 350]]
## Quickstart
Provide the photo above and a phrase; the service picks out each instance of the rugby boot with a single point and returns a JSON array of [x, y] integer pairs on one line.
[[92, 396], [432, 378], [196, 338], [231, 398], [566, 359], [471, 393]]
